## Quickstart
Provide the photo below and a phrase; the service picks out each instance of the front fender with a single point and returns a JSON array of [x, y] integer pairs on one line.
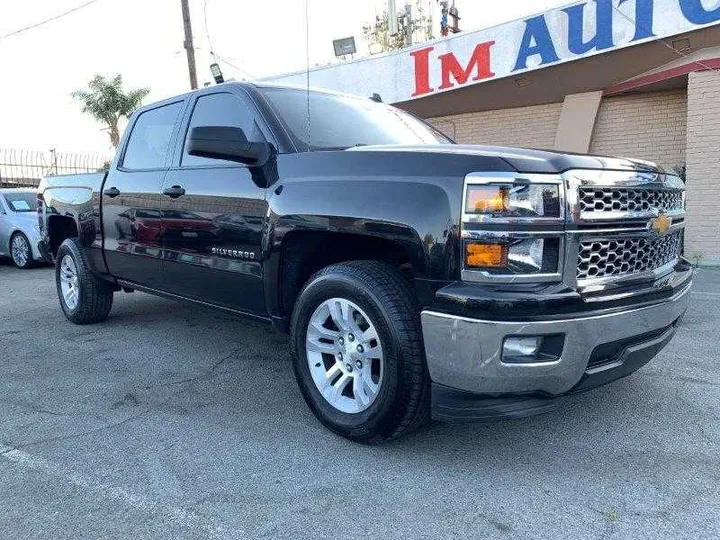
[[418, 213]]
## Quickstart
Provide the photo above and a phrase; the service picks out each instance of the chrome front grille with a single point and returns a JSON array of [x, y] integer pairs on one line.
[[621, 257], [617, 199], [629, 227]]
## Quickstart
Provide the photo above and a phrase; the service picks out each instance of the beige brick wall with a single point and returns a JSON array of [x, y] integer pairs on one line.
[[528, 127], [703, 174], [648, 126]]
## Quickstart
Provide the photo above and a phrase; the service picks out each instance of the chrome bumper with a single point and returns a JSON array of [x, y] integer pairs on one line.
[[465, 354]]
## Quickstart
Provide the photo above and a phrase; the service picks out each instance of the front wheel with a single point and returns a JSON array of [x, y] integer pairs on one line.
[[358, 351], [84, 298], [20, 251]]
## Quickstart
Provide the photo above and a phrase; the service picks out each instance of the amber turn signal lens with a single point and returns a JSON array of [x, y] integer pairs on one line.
[[486, 255], [487, 199]]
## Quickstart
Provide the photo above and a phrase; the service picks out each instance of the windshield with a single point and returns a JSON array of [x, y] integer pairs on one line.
[[21, 202], [339, 122]]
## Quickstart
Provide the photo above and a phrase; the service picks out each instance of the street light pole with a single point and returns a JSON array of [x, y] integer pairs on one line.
[[189, 49]]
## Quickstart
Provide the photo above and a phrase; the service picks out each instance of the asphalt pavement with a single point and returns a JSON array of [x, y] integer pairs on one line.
[[171, 421]]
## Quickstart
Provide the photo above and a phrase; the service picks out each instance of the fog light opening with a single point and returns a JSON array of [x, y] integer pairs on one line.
[[528, 347], [532, 349]]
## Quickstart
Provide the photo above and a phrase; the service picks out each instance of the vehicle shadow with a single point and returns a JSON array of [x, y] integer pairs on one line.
[[210, 393], [246, 366], [7, 262]]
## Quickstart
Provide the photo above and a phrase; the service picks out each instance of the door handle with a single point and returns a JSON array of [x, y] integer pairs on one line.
[[112, 192], [174, 192]]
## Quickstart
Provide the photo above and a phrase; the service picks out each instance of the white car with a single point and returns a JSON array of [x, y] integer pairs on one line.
[[19, 232]]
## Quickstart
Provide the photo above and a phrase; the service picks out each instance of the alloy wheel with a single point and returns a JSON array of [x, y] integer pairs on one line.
[[20, 250], [344, 355], [69, 282]]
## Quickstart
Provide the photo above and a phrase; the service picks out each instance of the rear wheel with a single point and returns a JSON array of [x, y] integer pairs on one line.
[[20, 251], [84, 298], [358, 351]]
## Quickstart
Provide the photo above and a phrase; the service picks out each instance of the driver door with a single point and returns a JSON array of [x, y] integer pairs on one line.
[[214, 213]]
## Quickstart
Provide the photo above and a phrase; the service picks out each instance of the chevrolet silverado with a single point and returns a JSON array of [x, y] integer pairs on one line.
[[418, 278]]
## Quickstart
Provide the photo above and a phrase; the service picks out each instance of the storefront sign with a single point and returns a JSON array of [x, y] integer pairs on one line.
[[579, 30]]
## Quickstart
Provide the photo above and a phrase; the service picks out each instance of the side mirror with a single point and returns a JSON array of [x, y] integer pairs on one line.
[[229, 143]]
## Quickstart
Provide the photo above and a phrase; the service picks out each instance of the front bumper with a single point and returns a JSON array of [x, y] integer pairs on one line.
[[471, 381]]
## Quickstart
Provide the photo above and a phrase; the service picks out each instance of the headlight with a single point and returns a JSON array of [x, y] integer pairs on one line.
[[513, 228], [511, 256], [513, 199]]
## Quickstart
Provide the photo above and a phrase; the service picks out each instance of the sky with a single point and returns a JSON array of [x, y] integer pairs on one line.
[[143, 41]]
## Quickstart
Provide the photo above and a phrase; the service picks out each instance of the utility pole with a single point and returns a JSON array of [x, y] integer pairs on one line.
[[409, 25], [189, 49]]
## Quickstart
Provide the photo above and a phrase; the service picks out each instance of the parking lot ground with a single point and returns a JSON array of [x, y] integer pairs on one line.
[[170, 421]]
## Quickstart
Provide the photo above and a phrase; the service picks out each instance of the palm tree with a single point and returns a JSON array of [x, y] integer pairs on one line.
[[107, 102]]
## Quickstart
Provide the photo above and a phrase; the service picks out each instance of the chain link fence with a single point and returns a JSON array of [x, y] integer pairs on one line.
[[25, 168]]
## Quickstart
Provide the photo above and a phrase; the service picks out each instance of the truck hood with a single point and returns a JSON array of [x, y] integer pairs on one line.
[[525, 160]]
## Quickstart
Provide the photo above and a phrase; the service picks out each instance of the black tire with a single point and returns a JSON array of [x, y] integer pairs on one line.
[[95, 297], [28, 261], [403, 401]]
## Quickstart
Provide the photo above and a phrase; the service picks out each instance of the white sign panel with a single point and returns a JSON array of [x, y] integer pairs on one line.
[[579, 30]]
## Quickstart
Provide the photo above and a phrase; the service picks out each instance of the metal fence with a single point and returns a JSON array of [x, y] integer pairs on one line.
[[26, 167]]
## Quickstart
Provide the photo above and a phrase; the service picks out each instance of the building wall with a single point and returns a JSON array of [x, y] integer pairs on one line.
[[650, 126], [528, 127], [703, 167]]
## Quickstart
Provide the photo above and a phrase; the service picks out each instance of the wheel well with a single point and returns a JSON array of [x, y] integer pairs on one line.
[[305, 253], [60, 228]]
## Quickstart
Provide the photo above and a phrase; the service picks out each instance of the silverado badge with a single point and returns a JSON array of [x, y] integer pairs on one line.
[[234, 253], [660, 225]]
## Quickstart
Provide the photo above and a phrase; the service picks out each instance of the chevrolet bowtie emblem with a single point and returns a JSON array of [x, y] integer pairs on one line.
[[660, 225]]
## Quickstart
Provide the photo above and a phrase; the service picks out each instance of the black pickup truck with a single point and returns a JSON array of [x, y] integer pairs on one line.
[[417, 277]]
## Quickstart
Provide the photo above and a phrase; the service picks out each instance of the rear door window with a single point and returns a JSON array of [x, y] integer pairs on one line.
[[149, 140]]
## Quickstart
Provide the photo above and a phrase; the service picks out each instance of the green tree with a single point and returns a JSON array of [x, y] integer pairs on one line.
[[106, 101]]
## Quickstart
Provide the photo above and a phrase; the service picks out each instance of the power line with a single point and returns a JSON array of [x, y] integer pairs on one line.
[[207, 31], [212, 50], [239, 69], [54, 18]]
